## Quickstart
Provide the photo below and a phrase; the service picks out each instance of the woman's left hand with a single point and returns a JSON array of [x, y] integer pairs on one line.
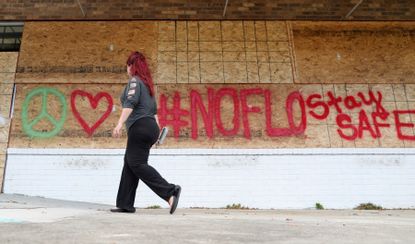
[[117, 131]]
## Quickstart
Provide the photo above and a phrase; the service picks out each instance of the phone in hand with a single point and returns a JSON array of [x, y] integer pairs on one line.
[[162, 136]]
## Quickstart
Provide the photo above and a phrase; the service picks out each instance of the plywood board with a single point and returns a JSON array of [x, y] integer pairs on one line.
[[354, 52], [224, 116], [84, 52], [8, 61], [63, 115], [220, 51], [96, 52], [253, 130], [4, 130]]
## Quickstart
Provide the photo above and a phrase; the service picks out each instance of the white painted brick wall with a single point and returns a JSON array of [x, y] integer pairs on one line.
[[277, 178]]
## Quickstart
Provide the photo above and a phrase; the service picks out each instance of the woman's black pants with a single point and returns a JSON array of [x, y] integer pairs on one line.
[[141, 136]]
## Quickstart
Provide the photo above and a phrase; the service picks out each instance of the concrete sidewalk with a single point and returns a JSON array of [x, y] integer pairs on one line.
[[37, 220]]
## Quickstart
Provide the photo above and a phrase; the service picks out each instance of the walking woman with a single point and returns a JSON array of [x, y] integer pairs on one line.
[[139, 111]]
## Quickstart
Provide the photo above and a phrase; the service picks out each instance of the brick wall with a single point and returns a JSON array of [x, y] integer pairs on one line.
[[198, 9]]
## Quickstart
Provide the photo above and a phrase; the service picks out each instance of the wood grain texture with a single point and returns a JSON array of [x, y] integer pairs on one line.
[[344, 58], [83, 52], [318, 133], [8, 62], [72, 133], [95, 52], [220, 52], [358, 52]]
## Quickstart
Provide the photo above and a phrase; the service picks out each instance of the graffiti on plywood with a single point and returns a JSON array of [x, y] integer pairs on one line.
[[94, 101]]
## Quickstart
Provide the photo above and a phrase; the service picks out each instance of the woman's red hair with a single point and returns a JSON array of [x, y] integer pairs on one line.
[[139, 67]]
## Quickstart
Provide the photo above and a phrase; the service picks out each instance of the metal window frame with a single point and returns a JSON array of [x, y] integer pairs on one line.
[[9, 31]]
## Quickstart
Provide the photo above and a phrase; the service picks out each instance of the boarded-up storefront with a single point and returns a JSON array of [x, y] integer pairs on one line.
[[292, 112]]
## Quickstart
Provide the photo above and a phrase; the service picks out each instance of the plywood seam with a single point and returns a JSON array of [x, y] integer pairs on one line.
[[187, 51], [292, 50], [198, 46], [175, 50], [407, 103], [268, 61], [221, 44]]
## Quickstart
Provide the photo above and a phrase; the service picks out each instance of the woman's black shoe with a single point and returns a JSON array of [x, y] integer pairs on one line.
[[121, 210], [176, 196]]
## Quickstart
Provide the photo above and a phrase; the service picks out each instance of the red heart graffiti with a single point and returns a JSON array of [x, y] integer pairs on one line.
[[94, 103]]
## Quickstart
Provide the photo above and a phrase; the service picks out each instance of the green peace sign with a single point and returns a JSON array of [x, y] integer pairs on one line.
[[28, 126]]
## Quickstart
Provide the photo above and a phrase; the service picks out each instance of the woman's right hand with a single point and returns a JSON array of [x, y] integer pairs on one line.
[[116, 132]]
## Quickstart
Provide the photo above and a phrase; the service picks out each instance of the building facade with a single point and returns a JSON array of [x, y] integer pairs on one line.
[[265, 113]]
